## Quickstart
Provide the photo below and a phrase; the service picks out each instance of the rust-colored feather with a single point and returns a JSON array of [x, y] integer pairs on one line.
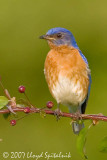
[[67, 62]]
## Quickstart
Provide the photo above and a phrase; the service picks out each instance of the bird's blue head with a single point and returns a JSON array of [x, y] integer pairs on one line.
[[60, 36]]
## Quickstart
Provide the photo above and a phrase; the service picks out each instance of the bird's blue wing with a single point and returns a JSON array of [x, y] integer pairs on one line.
[[83, 57], [83, 106]]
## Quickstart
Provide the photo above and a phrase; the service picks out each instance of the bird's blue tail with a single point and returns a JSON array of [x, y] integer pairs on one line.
[[77, 127]]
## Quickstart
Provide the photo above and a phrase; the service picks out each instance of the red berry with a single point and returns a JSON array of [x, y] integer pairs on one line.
[[22, 89], [27, 110], [13, 122], [49, 104]]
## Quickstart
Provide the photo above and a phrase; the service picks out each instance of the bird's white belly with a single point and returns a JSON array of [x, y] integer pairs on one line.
[[68, 91]]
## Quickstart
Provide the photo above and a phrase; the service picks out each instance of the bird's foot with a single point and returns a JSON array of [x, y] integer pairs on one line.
[[77, 116], [57, 113]]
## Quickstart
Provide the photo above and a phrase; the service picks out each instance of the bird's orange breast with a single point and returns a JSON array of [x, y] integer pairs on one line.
[[67, 62]]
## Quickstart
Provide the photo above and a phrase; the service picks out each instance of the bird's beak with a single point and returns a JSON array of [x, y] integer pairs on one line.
[[43, 37], [47, 37]]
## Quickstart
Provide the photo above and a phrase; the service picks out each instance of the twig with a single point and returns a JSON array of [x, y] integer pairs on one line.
[[97, 117]]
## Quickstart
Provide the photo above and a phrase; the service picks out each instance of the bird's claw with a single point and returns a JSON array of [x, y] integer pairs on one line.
[[57, 113], [77, 116]]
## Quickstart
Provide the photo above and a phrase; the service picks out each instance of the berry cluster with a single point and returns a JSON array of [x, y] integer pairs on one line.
[[26, 110]]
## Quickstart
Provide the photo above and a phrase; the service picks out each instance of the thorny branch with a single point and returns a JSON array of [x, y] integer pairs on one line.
[[14, 107], [97, 117]]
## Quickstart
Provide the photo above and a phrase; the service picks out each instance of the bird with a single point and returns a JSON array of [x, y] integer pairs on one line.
[[67, 73]]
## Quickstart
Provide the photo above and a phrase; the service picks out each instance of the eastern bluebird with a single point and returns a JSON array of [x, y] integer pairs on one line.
[[67, 72]]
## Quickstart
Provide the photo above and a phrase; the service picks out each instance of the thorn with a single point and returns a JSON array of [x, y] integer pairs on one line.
[[95, 122]]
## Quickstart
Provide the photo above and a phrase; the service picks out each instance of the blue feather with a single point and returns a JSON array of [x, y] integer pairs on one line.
[[57, 30], [68, 39]]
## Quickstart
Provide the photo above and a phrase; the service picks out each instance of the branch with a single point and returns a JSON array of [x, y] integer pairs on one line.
[[14, 107], [96, 117]]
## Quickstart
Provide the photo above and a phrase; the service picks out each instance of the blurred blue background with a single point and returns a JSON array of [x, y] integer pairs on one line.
[[22, 57]]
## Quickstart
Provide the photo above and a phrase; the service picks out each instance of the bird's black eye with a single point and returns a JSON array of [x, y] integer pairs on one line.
[[59, 35]]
